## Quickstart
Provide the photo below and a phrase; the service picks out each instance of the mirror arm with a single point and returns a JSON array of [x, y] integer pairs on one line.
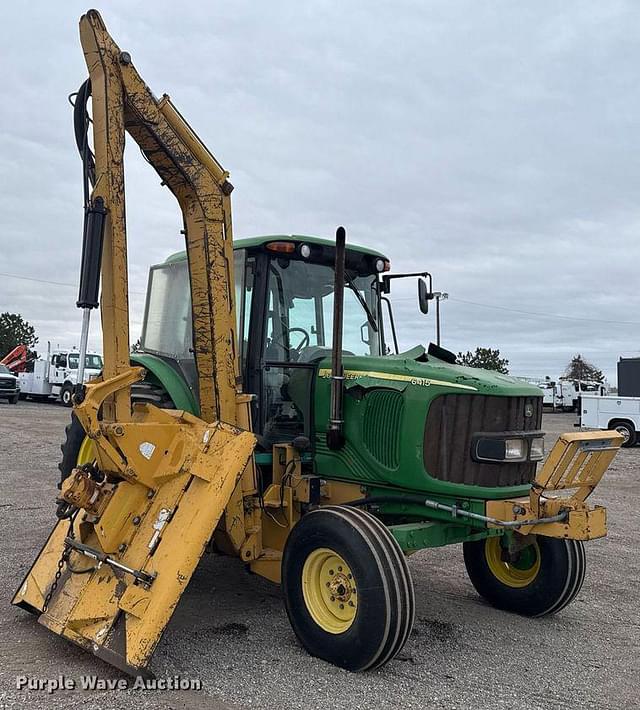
[[391, 322]]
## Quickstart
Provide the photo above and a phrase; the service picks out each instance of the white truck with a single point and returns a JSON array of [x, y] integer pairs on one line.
[[564, 394], [611, 412], [57, 374]]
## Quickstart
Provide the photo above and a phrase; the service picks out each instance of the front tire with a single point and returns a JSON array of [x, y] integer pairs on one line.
[[14, 399], [347, 588], [541, 579]]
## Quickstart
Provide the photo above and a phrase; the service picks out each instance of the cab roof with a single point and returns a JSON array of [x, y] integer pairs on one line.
[[249, 242]]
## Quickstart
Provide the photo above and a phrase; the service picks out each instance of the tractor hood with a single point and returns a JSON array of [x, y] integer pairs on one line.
[[410, 421], [417, 368]]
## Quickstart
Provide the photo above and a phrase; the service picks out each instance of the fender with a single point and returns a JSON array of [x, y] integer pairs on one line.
[[175, 385]]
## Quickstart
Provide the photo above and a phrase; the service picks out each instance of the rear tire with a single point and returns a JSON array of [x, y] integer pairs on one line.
[[66, 395], [628, 431], [347, 588], [545, 578]]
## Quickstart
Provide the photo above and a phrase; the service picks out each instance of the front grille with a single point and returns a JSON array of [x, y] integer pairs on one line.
[[452, 421], [382, 426], [7, 383]]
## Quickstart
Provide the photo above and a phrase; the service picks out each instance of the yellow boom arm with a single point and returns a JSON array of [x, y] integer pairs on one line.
[[135, 522]]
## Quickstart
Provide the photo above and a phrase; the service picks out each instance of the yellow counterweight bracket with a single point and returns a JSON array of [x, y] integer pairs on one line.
[[570, 474]]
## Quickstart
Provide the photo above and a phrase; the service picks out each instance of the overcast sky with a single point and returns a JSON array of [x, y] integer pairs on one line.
[[493, 143]]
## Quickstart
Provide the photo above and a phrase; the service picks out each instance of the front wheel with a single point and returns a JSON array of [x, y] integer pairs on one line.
[[14, 399], [541, 578], [347, 588]]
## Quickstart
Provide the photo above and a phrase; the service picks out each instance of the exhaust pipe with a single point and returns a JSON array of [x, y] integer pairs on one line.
[[335, 436]]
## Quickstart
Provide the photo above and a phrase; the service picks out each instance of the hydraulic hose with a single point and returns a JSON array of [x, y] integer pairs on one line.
[[454, 510]]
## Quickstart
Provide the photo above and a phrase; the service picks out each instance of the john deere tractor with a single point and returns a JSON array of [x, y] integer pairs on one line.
[[270, 414]]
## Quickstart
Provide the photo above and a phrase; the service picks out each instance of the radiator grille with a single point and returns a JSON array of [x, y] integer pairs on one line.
[[7, 383], [381, 426], [452, 421]]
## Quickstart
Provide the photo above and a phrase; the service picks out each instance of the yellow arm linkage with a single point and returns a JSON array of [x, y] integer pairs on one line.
[[136, 520], [122, 101]]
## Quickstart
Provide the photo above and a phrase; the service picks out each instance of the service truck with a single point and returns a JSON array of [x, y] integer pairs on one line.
[[55, 375], [611, 412]]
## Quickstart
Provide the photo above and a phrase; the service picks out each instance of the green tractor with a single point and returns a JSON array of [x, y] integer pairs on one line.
[[292, 435], [416, 452]]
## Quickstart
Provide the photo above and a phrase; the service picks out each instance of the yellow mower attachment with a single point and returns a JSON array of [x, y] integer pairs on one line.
[[573, 469], [137, 522]]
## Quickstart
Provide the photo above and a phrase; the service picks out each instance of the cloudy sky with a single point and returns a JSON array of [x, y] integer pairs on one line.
[[493, 143]]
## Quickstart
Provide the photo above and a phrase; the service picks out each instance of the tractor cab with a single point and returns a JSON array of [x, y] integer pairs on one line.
[[284, 289]]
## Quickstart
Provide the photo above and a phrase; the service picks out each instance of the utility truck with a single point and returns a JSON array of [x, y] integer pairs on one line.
[[564, 394], [9, 385], [265, 416], [56, 375], [569, 392], [621, 414]]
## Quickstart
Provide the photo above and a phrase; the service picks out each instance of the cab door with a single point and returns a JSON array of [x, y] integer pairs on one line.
[[58, 368], [286, 341]]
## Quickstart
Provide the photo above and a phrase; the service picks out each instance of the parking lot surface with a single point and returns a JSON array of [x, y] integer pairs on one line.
[[230, 630]]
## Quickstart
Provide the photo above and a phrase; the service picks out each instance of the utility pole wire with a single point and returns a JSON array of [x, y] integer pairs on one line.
[[545, 315], [530, 313], [52, 283]]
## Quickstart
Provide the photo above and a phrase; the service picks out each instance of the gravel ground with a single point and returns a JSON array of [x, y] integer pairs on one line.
[[230, 630]]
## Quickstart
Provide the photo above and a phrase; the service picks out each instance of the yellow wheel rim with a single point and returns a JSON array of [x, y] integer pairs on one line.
[[87, 453], [329, 590], [513, 574]]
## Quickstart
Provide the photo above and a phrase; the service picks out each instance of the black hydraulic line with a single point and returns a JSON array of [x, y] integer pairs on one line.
[[81, 124], [335, 436]]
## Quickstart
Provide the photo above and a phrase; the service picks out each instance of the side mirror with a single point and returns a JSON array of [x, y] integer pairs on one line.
[[424, 295]]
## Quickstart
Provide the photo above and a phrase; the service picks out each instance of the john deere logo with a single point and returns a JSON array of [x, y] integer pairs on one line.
[[528, 410]]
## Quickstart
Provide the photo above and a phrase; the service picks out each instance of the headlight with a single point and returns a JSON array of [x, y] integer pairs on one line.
[[515, 450], [508, 447], [536, 453]]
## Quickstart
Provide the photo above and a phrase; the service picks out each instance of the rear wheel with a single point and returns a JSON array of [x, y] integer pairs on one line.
[[347, 588], [541, 579], [66, 395], [628, 432]]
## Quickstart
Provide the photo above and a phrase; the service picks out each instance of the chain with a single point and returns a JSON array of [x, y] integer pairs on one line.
[[64, 558]]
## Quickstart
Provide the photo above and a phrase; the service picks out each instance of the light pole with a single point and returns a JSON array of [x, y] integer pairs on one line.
[[439, 296]]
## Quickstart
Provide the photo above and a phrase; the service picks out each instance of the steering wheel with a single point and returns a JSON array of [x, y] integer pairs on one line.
[[303, 343]]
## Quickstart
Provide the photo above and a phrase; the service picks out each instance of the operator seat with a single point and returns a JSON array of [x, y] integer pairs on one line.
[[317, 352]]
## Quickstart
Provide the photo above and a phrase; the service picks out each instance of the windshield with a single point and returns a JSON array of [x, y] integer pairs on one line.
[[91, 362], [5, 370], [300, 315], [167, 322]]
